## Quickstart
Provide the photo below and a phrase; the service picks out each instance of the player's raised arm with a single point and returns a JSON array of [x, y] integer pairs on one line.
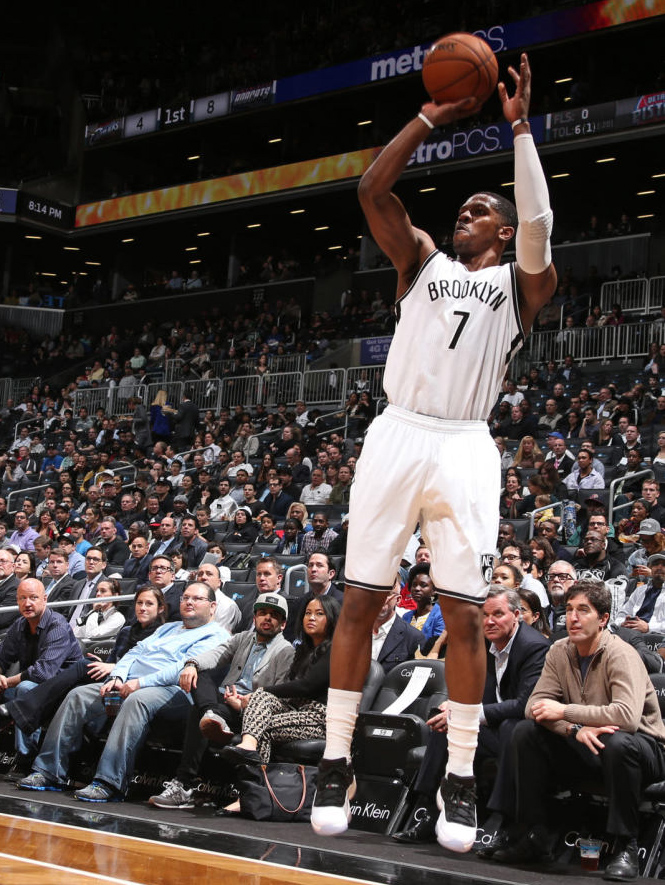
[[391, 227], [535, 272]]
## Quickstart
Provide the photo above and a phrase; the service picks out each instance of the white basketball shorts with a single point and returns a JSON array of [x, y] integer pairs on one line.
[[444, 475]]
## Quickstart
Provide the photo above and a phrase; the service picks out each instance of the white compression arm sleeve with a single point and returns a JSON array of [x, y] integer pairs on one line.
[[532, 243]]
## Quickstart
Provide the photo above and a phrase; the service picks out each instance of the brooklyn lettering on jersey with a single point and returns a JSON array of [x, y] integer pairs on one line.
[[484, 292]]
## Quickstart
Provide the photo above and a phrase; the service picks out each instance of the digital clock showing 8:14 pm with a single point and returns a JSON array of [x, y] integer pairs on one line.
[[577, 122]]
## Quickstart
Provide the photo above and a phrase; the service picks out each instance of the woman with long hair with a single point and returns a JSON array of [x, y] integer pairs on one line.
[[511, 496], [45, 527], [556, 488], [528, 454], [295, 709], [25, 565], [605, 436], [268, 462], [298, 511], [531, 610], [161, 416]]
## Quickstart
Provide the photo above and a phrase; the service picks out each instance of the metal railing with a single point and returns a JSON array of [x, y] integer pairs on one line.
[[323, 386], [617, 484], [21, 494], [632, 295], [534, 513]]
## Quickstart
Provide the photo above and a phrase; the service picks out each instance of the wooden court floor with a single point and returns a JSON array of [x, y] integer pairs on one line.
[[44, 853]]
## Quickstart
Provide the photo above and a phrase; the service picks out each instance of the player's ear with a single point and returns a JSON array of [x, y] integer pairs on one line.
[[506, 233]]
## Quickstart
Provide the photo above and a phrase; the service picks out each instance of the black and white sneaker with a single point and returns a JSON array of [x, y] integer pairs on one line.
[[456, 800], [335, 787]]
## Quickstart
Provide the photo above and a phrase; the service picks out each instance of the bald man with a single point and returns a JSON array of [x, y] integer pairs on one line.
[[42, 643]]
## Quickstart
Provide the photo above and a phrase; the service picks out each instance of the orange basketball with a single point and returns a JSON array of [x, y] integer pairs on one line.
[[460, 66]]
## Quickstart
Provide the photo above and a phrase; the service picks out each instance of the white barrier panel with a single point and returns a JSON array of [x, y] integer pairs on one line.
[[94, 398], [656, 294], [205, 394], [324, 386], [632, 295], [240, 390], [361, 378], [281, 387]]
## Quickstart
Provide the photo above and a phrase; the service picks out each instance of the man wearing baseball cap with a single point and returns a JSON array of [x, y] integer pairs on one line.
[[652, 541], [644, 610], [251, 659]]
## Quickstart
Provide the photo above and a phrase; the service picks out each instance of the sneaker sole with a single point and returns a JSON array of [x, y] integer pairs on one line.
[[154, 800], [99, 801], [211, 731], [54, 788], [338, 825], [454, 837]]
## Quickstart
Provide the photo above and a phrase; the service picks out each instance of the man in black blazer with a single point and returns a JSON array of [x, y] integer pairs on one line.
[[320, 574], [59, 584], [393, 640], [186, 421], [515, 657]]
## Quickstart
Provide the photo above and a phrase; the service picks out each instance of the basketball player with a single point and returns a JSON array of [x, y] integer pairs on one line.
[[468, 318]]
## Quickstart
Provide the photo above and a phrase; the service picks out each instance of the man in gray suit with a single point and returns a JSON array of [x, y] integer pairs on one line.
[[252, 659]]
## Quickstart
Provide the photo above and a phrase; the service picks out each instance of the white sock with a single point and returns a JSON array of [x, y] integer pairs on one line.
[[341, 715], [463, 725]]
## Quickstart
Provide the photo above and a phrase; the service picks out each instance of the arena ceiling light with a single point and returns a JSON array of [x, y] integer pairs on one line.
[[71, 248], [322, 227], [128, 240], [333, 248], [645, 193], [563, 80], [204, 233], [194, 157], [195, 261], [94, 263], [250, 226], [32, 237], [364, 123], [507, 183], [274, 140], [426, 190], [297, 212], [658, 175], [561, 175], [191, 249], [606, 160], [46, 273]]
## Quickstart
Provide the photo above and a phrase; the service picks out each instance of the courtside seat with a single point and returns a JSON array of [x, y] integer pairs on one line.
[[385, 744], [308, 752]]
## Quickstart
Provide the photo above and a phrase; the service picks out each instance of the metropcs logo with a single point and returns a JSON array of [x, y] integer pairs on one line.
[[398, 64], [461, 144]]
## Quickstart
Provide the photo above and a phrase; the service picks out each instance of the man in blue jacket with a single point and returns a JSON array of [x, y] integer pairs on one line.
[[146, 679]]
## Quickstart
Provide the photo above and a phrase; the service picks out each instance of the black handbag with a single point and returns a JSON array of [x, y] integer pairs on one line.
[[278, 791]]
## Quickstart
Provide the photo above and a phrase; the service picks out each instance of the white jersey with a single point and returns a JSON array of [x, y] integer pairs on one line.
[[457, 331]]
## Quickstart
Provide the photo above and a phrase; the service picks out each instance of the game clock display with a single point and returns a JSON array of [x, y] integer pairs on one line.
[[48, 212], [577, 122]]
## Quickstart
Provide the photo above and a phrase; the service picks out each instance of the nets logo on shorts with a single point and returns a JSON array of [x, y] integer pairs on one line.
[[487, 566]]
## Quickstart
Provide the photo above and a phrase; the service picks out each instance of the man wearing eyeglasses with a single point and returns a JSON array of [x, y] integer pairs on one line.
[[519, 554], [146, 678]]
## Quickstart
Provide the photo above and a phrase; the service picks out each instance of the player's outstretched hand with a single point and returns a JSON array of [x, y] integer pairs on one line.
[[518, 105], [440, 114]]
